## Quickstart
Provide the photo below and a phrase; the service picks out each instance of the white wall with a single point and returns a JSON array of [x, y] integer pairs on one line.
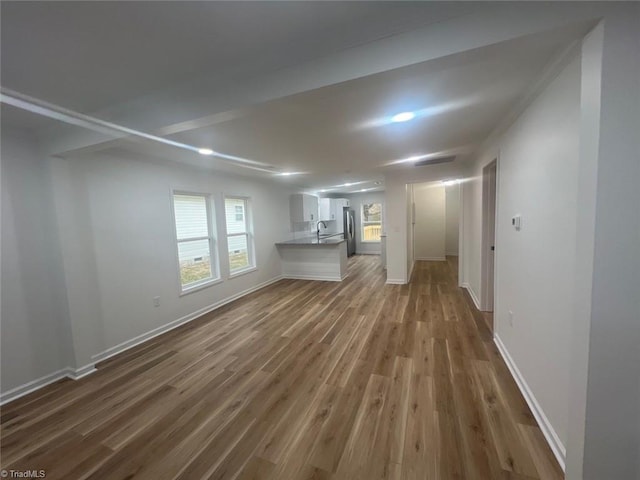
[[452, 219], [537, 178], [398, 199], [131, 235], [430, 221], [471, 210], [356, 200], [612, 242], [35, 328], [87, 243]]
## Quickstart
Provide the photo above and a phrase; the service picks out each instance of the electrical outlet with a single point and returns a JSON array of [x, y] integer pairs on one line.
[[510, 318], [156, 301]]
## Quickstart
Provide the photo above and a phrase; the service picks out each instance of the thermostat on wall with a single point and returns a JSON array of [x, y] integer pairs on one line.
[[515, 221]]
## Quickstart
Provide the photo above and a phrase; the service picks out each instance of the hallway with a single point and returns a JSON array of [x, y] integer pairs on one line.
[[300, 380]]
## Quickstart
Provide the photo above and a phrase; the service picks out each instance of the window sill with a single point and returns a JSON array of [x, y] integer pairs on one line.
[[200, 286], [239, 273]]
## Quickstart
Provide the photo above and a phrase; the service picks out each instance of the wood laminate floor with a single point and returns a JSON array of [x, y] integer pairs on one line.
[[300, 380]]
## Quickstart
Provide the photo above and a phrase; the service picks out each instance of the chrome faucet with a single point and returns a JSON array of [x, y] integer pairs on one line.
[[318, 227]]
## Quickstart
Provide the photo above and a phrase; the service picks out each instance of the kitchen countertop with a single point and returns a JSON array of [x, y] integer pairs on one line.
[[333, 240]]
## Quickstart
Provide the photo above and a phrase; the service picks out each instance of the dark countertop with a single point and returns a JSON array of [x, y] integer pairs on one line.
[[332, 240]]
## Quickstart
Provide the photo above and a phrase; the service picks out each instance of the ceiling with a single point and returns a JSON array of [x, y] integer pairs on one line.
[[343, 133], [87, 56]]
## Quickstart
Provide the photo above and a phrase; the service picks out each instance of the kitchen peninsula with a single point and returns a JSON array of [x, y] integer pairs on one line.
[[314, 258]]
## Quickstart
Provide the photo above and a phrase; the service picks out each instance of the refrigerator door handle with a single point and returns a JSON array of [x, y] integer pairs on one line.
[[351, 226]]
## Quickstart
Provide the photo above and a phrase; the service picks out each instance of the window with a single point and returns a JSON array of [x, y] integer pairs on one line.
[[194, 236], [239, 213], [371, 222], [239, 238]]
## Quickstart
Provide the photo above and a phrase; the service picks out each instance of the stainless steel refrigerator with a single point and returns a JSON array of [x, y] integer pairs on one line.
[[350, 230]]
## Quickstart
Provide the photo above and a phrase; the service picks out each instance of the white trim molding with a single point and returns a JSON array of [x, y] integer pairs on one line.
[[37, 384], [432, 259], [115, 350], [396, 281], [318, 278], [549, 433], [472, 294], [78, 373], [32, 386]]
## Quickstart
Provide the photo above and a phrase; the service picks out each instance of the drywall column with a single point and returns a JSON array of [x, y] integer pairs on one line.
[[36, 341], [452, 216], [395, 196], [612, 384], [79, 261]]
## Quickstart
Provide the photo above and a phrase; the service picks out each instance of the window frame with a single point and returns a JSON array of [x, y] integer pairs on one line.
[[214, 259], [248, 233], [363, 223]]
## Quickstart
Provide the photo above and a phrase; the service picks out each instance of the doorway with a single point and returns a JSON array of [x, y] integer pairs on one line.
[[489, 185]]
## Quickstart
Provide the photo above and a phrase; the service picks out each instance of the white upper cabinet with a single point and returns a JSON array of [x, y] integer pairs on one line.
[[324, 211], [303, 208], [330, 210], [338, 205]]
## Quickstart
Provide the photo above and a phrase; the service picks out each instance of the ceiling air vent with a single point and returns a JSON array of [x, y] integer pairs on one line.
[[434, 161]]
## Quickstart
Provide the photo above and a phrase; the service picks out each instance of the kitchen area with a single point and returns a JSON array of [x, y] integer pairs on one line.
[[327, 232]]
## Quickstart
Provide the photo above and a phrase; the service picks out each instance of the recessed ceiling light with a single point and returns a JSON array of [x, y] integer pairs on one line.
[[403, 117], [205, 151], [323, 190], [348, 184]]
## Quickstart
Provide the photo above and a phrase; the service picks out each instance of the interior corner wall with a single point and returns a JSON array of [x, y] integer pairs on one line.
[[35, 325], [537, 179]]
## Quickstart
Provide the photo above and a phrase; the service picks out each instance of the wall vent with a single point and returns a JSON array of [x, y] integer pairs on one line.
[[434, 161]]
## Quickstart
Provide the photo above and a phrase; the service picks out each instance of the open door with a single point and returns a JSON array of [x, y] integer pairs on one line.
[[489, 176]]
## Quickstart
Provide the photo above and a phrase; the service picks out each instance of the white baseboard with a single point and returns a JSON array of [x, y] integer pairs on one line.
[[432, 259], [78, 373], [367, 253], [31, 386], [110, 352], [473, 295], [396, 281], [549, 433], [37, 384], [319, 278], [413, 266]]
